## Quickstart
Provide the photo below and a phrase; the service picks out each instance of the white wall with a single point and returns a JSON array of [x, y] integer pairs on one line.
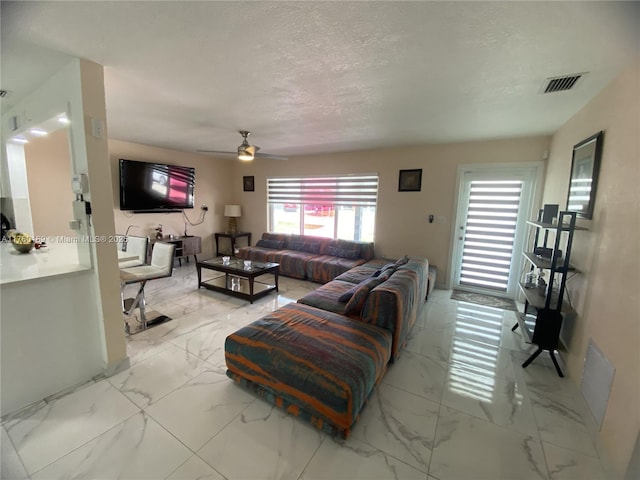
[[606, 293], [49, 170], [211, 189], [402, 225], [74, 328]]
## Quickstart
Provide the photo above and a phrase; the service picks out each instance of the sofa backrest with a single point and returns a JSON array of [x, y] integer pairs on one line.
[[395, 303], [322, 245]]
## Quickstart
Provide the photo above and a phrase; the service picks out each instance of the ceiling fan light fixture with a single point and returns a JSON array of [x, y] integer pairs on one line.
[[245, 153]]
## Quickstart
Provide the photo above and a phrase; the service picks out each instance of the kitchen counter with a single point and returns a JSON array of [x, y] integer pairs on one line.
[[56, 259]]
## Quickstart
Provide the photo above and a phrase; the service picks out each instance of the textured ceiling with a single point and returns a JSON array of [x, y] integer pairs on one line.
[[314, 77]]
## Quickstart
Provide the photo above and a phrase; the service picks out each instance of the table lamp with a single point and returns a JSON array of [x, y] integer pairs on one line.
[[233, 212]]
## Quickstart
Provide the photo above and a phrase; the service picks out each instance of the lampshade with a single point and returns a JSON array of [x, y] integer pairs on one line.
[[232, 211]]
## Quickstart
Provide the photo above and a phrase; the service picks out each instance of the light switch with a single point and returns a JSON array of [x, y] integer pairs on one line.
[[97, 128]]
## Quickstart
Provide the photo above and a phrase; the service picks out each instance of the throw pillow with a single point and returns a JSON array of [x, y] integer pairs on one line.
[[403, 260], [346, 296], [384, 276], [308, 247], [279, 244], [388, 266], [355, 304]]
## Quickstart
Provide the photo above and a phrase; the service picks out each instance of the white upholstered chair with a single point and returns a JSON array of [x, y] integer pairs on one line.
[[161, 266], [132, 246]]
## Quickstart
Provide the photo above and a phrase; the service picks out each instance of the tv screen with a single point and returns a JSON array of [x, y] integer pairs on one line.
[[155, 186]]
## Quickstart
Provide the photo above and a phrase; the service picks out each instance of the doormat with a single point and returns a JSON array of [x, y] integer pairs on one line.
[[486, 300]]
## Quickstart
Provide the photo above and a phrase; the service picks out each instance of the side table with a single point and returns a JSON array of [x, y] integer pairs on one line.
[[232, 238]]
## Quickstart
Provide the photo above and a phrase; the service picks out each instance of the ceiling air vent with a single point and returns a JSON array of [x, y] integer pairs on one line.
[[561, 84]]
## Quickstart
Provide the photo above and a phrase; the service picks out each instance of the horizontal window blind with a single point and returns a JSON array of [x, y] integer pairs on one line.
[[489, 234], [347, 190]]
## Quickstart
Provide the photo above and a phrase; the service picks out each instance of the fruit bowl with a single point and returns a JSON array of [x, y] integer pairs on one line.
[[22, 243]]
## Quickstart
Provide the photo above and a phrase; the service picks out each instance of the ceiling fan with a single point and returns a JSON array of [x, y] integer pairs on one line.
[[247, 152]]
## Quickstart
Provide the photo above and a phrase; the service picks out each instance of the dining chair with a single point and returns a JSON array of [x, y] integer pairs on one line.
[[132, 246], [161, 266]]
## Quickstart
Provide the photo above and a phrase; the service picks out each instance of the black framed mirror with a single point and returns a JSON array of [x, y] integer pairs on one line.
[[585, 167]]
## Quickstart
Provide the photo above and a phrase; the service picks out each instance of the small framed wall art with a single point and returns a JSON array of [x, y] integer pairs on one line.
[[248, 184], [585, 167], [410, 180]]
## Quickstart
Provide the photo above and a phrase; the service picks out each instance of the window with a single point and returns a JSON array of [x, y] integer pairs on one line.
[[333, 207]]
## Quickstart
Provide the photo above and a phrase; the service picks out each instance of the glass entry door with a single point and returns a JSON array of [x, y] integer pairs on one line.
[[492, 213]]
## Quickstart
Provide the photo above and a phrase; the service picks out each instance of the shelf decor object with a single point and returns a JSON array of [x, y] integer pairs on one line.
[[585, 167], [410, 180]]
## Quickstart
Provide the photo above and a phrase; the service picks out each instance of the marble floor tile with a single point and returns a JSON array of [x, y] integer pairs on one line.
[[566, 464], [262, 442], [136, 448], [145, 344], [456, 405], [542, 378], [470, 448], [432, 342], [356, 460], [155, 377], [417, 374], [59, 427], [482, 381], [400, 424], [11, 466], [441, 315], [197, 411], [207, 343], [479, 323], [195, 469], [560, 424]]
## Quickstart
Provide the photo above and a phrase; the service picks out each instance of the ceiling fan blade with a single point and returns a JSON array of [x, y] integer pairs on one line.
[[257, 155], [271, 157], [218, 152]]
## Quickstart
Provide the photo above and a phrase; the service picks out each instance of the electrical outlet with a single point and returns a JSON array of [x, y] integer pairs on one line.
[[204, 208]]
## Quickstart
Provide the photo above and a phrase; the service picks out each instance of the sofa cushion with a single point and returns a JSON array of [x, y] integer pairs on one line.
[[344, 249], [316, 365], [293, 263], [279, 244], [362, 272], [309, 247], [346, 296], [275, 236], [356, 302], [367, 251], [259, 254], [327, 296], [324, 268]]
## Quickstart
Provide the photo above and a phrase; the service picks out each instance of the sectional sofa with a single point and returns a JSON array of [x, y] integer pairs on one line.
[[321, 357], [308, 257]]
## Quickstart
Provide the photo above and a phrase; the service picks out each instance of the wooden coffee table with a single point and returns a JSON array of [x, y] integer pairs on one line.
[[238, 280]]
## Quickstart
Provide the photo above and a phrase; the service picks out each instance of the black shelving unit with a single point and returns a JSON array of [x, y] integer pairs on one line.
[[545, 307]]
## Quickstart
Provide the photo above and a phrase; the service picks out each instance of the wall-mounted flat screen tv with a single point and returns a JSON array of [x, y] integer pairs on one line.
[[152, 187]]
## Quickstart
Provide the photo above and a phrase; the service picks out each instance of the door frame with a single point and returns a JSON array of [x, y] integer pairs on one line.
[[537, 171]]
